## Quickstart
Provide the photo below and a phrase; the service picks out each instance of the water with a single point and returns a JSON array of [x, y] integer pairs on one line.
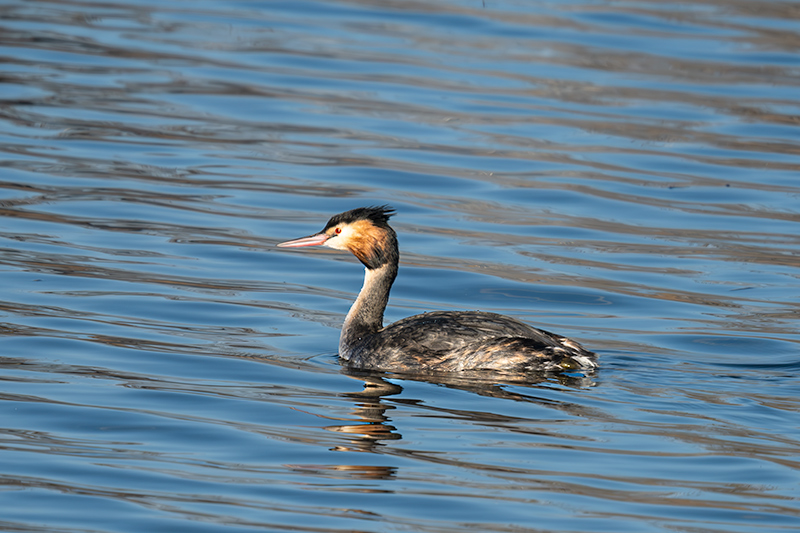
[[625, 173]]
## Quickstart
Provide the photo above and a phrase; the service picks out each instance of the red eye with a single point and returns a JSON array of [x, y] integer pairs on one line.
[[337, 231]]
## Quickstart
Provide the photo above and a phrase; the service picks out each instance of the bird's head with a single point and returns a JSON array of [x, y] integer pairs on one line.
[[364, 232]]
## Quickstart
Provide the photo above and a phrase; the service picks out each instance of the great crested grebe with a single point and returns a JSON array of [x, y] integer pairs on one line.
[[444, 341]]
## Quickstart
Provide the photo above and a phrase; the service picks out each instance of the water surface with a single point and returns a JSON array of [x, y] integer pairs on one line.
[[622, 173]]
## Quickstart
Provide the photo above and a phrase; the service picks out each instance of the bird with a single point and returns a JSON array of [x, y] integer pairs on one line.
[[438, 341]]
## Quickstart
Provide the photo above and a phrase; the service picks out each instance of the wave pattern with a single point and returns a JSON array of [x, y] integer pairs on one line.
[[624, 173]]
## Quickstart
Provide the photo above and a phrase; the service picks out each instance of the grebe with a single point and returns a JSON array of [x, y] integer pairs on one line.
[[444, 341]]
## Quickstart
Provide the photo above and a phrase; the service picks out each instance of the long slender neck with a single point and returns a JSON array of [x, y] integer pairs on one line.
[[366, 314]]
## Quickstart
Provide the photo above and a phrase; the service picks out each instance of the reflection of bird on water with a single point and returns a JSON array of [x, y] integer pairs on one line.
[[373, 426], [442, 341]]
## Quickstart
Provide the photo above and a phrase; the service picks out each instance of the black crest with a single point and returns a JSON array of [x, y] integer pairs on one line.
[[378, 215]]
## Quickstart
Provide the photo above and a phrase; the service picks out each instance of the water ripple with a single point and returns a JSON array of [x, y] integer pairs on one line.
[[624, 173]]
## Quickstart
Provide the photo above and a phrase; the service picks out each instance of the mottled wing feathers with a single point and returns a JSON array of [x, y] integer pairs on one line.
[[453, 341]]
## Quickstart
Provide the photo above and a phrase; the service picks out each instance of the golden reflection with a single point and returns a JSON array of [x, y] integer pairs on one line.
[[375, 425]]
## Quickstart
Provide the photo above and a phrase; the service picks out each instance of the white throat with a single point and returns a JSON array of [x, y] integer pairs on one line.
[[366, 314]]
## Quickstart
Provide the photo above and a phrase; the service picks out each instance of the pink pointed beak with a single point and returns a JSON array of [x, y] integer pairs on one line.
[[311, 240]]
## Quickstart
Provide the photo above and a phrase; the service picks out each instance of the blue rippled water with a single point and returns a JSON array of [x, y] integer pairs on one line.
[[625, 173]]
